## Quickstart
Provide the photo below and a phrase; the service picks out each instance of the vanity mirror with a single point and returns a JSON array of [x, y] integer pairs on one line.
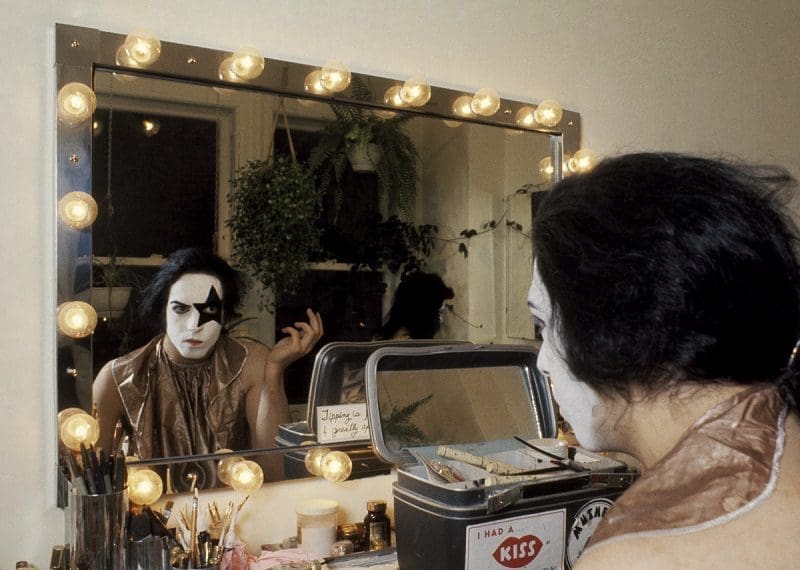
[[469, 170]]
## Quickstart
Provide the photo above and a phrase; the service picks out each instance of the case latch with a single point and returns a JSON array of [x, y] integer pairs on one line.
[[501, 499]]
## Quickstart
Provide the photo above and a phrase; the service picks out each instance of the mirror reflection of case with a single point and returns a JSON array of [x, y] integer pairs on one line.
[[338, 378], [451, 419]]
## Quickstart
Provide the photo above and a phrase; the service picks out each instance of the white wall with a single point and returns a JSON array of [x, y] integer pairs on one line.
[[684, 75]]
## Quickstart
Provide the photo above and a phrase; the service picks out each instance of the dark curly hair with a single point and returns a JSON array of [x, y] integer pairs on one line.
[[416, 305], [189, 260], [665, 267]]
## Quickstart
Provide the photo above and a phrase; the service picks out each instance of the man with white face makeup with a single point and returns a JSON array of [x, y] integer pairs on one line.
[[669, 291], [193, 389]]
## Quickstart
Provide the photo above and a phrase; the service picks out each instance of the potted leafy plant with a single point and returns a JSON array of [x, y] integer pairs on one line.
[[112, 283], [274, 208], [382, 143]]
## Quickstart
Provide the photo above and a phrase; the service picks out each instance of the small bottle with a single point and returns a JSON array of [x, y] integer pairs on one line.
[[377, 530]]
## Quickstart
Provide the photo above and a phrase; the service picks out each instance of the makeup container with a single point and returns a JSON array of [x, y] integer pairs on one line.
[[316, 526]]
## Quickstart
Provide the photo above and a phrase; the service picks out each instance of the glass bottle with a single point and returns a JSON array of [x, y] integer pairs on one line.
[[377, 530]]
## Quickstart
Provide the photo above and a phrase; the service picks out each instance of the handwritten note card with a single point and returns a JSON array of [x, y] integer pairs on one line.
[[347, 422]]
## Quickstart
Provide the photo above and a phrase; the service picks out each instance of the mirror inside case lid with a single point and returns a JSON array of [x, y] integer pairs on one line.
[[420, 397]]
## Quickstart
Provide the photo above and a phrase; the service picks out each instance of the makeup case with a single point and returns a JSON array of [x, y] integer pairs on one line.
[[337, 378], [469, 494]]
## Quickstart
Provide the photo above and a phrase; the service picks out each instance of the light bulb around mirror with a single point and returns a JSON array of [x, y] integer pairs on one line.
[[313, 460], [226, 72], [65, 414], [246, 476], [416, 91], [335, 76], [77, 429], [392, 97], [546, 169], [247, 63], [225, 465], [582, 161], [144, 486], [76, 103], [76, 319], [143, 48], [548, 113], [462, 106], [525, 116], [77, 209], [485, 102], [151, 127], [313, 83], [336, 466]]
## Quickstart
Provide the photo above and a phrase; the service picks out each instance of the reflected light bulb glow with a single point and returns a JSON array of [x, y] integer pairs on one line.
[[151, 127], [313, 83], [546, 168], [76, 319], [462, 106], [336, 466], [384, 114], [452, 124], [548, 113], [392, 97], [416, 91], [65, 414], [485, 102], [525, 117], [246, 476], [335, 76], [582, 161], [76, 103], [247, 63], [77, 209], [313, 460], [143, 48], [225, 465], [226, 72], [144, 486], [77, 429]]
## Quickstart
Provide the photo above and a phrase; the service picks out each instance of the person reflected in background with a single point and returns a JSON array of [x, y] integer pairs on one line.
[[668, 289], [417, 313], [418, 307], [193, 389]]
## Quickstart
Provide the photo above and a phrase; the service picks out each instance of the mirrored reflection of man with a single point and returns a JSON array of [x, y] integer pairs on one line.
[[193, 389]]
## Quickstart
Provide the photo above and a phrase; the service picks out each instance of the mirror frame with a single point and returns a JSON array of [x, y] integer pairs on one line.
[[80, 51]]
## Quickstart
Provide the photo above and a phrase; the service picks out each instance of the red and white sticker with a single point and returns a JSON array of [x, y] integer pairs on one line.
[[533, 541]]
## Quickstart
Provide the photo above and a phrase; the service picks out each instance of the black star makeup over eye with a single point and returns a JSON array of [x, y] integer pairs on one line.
[[211, 310]]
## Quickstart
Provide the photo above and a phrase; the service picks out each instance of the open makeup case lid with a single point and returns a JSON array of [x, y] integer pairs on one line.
[[340, 363]]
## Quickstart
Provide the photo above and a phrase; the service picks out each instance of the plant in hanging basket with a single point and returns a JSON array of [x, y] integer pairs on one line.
[[383, 143], [274, 208]]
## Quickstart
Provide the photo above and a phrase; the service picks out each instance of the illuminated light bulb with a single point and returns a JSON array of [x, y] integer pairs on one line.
[[548, 113], [336, 466], [582, 161], [485, 102], [392, 97], [143, 48], [313, 460], [76, 319], [144, 487], [97, 128], [246, 476], [65, 414], [247, 63], [335, 76], [416, 91], [225, 465], [546, 168], [226, 72], [525, 117], [77, 429], [77, 209], [76, 103], [462, 106], [151, 127], [452, 124], [313, 83]]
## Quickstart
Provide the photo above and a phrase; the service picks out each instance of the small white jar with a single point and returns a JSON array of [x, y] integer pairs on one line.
[[316, 526]]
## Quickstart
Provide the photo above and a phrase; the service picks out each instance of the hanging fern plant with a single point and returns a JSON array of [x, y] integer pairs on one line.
[[274, 208]]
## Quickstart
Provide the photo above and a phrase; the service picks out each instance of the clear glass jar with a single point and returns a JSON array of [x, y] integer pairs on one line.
[[316, 526]]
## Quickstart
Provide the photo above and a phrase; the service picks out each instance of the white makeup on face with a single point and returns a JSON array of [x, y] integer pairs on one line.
[[579, 404], [194, 314]]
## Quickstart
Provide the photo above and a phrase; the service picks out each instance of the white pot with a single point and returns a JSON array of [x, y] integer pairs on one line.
[[110, 302], [364, 159]]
